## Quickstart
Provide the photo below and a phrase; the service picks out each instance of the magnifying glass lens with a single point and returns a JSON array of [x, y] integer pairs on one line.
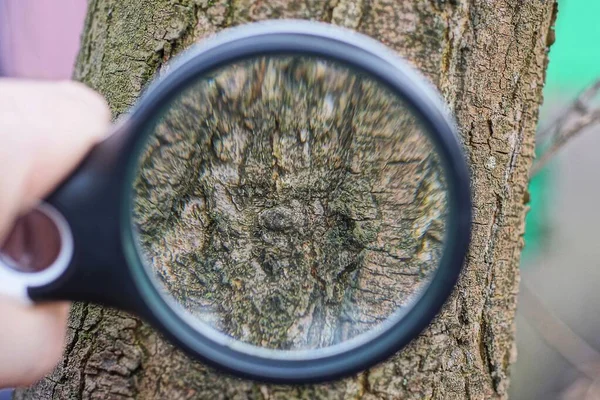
[[289, 203]]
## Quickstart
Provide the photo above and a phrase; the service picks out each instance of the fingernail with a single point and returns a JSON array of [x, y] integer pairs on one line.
[[33, 244]]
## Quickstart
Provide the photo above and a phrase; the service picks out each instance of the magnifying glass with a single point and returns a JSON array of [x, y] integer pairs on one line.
[[288, 202]]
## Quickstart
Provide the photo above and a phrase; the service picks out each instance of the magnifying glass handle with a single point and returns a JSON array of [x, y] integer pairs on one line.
[[37, 251], [82, 219], [40, 259]]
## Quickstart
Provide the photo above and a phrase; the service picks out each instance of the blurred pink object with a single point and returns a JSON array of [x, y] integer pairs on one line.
[[40, 38]]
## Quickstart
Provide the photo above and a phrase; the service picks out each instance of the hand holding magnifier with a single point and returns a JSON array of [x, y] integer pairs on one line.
[[288, 202]]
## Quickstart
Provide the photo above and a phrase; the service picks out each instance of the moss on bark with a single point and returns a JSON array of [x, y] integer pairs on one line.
[[290, 203], [487, 57]]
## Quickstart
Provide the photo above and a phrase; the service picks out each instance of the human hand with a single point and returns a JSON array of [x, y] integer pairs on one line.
[[46, 128]]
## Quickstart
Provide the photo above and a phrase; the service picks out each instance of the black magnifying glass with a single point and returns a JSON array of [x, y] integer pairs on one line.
[[289, 202]]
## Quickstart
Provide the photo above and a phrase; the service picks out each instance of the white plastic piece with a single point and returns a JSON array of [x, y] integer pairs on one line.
[[15, 283]]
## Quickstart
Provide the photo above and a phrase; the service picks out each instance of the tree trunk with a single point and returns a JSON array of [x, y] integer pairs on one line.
[[487, 57]]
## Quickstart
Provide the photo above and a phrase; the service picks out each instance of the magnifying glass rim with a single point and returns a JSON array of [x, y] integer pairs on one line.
[[358, 52], [248, 347]]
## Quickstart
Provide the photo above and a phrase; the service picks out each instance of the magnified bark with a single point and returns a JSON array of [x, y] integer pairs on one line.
[[290, 202]]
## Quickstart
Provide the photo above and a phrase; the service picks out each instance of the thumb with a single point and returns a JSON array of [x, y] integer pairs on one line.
[[46, 128]]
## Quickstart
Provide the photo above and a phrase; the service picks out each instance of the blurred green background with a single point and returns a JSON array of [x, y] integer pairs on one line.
[[575, 56], [558, 312], [574, 64]]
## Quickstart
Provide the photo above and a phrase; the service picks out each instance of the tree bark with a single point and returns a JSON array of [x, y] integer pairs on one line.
[[289, 203], [487, 57]]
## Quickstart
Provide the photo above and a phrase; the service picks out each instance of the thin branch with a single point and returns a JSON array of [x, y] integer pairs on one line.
[[581, 114], [584, 121], [580, 104]]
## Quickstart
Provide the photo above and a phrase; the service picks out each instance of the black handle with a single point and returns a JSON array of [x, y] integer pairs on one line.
[[90, 199]]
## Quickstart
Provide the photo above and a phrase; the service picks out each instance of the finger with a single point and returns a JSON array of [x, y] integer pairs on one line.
[[31, 341], [46, 129]]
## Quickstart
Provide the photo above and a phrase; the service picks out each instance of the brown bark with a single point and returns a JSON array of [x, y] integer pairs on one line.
[[290, 203], [487, 57]]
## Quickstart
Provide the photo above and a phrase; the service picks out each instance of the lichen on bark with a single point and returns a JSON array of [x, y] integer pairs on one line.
[[488, 58], [290, 202]]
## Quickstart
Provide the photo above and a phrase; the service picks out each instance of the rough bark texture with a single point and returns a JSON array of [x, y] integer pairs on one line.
[[487, 57], [290, 202]]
